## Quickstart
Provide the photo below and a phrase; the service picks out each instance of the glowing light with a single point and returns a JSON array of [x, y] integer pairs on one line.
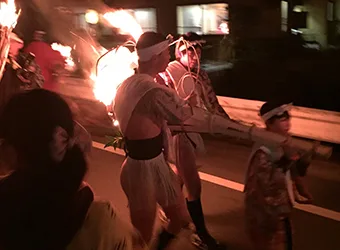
[[8, 20], [224, 27], [8, 14], [118, 64], [92, 17], [113, 69], [125, 22], [65, 51], [298, 8], [141, 15], [115, 123]]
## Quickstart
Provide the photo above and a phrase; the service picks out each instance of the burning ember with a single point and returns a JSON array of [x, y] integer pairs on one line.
[[118, 64], [65, 51]]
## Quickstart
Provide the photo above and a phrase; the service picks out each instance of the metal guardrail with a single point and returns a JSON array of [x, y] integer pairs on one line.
[[307, 123]]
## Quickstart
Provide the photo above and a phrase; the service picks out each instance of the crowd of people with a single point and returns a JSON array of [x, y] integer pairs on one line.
[[45, 203]]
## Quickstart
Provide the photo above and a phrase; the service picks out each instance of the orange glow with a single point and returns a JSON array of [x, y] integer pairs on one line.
[[118, 64], [65, 51], [8, 14], [125, 22]]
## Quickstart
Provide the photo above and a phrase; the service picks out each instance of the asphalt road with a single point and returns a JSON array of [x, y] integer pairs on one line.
[[319, 228]]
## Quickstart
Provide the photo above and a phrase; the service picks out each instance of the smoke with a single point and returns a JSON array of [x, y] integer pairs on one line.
[[56, 18]]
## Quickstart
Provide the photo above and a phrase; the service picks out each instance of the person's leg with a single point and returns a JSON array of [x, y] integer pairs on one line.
[[188, 173], [143, 220], [138, 185], [289, 234], [177, 216], [187, 170], [302, 194], [173, 207]]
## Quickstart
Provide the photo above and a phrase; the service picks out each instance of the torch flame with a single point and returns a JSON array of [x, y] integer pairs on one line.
[[125, 22], [65, 51], [113, 69], [8, 14], [117, 65], [8, 20]]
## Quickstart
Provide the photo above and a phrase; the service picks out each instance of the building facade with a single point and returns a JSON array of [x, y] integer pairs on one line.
[[247, 20], [316, 20], [242, 18]]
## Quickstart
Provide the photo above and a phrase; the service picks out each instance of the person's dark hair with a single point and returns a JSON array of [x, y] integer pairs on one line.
[[270, 105], [192, 36], [189, 37], [148, 39], [28, 121], [42, 193]]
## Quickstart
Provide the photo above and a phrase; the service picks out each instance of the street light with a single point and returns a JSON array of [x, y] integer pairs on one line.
[[91, 17]]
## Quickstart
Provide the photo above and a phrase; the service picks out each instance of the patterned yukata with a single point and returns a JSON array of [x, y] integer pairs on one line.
[[270, 196]]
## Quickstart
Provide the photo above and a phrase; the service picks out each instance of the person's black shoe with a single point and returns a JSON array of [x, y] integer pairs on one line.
[[164, 239]]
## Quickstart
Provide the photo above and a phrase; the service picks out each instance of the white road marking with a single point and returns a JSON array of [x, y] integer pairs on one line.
[[323, 212]]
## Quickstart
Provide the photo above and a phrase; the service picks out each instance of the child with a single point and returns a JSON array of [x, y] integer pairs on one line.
[[269, 188]]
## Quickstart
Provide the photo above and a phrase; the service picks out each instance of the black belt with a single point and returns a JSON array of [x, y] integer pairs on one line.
[[145, 149]]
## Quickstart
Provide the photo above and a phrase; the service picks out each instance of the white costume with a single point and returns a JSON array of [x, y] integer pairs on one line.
[[149, 180]]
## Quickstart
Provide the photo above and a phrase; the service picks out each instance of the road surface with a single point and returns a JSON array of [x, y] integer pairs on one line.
[[315, 227]]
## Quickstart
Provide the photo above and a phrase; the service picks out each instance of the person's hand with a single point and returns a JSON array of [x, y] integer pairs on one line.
[[308, 156], [288, 150], [193, 100]]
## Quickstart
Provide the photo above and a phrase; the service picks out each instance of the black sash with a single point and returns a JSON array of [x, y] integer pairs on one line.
[[145, 149]]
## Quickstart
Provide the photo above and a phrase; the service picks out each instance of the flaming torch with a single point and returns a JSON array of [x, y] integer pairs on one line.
[[8, 20], [116, 65]]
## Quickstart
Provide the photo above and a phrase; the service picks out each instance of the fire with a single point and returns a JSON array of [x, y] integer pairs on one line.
[[8, 20], [125, 22], [8, 14], [118, 64], [65, 51], [113, 69]]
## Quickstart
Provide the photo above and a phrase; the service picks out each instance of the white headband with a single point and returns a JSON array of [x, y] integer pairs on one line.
[[277, 111], [191, 44], [146, 54]]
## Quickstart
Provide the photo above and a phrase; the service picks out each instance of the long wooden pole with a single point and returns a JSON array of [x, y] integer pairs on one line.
[[203, 122]]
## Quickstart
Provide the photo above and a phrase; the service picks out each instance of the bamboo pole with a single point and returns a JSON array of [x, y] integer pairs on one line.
[[203, 122]]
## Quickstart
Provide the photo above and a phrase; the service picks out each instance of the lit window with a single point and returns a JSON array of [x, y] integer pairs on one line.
[[203, 19], [284, 15], [330, 11]]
